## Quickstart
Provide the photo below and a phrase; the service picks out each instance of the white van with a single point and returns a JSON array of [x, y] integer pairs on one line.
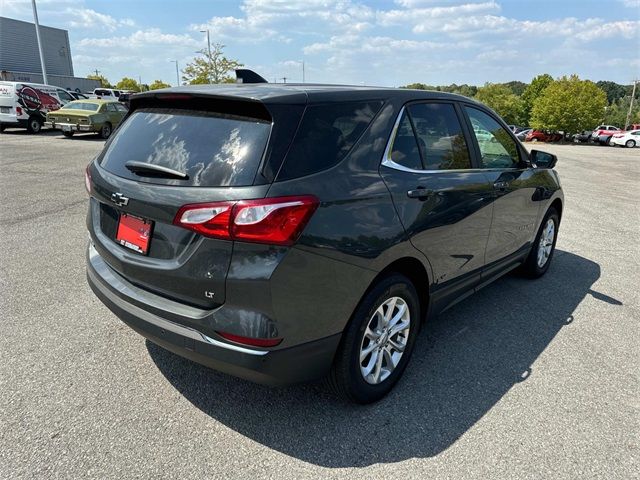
[[25, 105]]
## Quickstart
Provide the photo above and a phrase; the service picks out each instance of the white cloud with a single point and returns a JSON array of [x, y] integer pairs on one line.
[[149, 38], [87, 18]]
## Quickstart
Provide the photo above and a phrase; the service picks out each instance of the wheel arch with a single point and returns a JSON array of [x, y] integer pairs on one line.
[[557, 205], [414, 270]]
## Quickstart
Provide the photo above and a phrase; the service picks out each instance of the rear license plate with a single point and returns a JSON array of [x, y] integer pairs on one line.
[[66, 128], [134, 233], [5, 109]]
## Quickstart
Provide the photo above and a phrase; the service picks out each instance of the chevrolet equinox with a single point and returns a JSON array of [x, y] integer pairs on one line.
[[284, 233]]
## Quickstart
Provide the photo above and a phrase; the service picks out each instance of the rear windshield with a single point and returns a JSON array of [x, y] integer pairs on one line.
[[212, 149], [81, 106]]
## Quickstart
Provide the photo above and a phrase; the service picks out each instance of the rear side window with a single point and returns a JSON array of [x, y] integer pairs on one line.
[[325, 136], [440, 136], [404, 149], [214, 150]]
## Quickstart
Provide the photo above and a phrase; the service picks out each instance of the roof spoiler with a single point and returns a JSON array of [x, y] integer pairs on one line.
[[244, 75]]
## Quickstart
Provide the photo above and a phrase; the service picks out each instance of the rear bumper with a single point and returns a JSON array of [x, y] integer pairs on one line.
[[296, 364], [69, 127]]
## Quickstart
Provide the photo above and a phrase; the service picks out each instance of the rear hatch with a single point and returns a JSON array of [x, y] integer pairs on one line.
[[185, 154]]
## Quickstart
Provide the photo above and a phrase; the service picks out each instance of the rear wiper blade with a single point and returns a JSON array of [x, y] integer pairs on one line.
[[151, 170]]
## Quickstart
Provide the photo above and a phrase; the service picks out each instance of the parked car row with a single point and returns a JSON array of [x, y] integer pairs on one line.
[[602, 135], [30, 106]]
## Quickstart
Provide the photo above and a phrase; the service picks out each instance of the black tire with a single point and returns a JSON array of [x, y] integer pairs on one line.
[[630, 143], [2, 127], [345, 377], [68, 134], [530, 267], [34, 124], [105, 131], [607, 142]]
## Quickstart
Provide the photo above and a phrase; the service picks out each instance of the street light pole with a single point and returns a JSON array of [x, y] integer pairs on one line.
[[35, 20], [177, 73], [208, 47]]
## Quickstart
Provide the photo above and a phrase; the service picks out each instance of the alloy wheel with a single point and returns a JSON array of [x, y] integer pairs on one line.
[[385, 340], [545, 245]]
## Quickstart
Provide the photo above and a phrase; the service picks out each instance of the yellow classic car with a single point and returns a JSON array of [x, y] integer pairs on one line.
[[100, 116]]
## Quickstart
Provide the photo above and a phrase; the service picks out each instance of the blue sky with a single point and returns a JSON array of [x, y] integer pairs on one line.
[[385, 42]]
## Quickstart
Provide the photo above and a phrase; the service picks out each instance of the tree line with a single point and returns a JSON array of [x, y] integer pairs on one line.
[[566, 104]]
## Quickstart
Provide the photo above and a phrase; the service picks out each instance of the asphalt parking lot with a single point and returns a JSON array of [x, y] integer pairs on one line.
[[526, 379]]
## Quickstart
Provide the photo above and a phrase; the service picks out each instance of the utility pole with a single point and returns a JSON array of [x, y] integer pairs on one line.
[[97, 72], [177, 73], [284, 79], [303, 71], [633, 95], [35, 20]]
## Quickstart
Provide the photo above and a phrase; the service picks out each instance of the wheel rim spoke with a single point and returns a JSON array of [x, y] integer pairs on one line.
[[366, 351], [384, 340]]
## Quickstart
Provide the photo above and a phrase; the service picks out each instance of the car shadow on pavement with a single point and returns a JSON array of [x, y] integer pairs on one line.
[[465, 361], [55, 133]]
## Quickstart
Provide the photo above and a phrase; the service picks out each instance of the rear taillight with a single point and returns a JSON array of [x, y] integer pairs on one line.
[[277, 221], [18, 111], [87, 179], [251, 341]]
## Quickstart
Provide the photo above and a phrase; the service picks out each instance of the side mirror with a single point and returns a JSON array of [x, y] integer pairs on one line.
[[542, 159]]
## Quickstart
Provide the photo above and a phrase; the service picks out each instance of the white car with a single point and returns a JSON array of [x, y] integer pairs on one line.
[[628, 139]]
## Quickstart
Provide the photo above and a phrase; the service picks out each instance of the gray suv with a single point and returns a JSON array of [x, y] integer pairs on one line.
[[284, 233]]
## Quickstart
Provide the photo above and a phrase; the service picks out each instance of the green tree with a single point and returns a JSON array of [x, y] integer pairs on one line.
[[500, 98], [157, 84], [210, 68], [569, 105], [104, 83], [618, 110], [128, 84], [419, 86], [614, 90], [531, 93], [516, 87]]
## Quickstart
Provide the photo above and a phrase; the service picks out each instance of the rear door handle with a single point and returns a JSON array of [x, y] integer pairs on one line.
[[419, 192]]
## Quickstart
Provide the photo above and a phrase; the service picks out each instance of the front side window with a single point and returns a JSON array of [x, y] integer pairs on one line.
[[497, 148], [440, 138], [64, 96]]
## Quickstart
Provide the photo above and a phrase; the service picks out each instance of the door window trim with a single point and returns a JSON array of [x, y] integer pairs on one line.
[[386, 157]]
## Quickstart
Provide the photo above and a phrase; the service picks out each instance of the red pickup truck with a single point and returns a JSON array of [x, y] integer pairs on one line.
[[602, 134]]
